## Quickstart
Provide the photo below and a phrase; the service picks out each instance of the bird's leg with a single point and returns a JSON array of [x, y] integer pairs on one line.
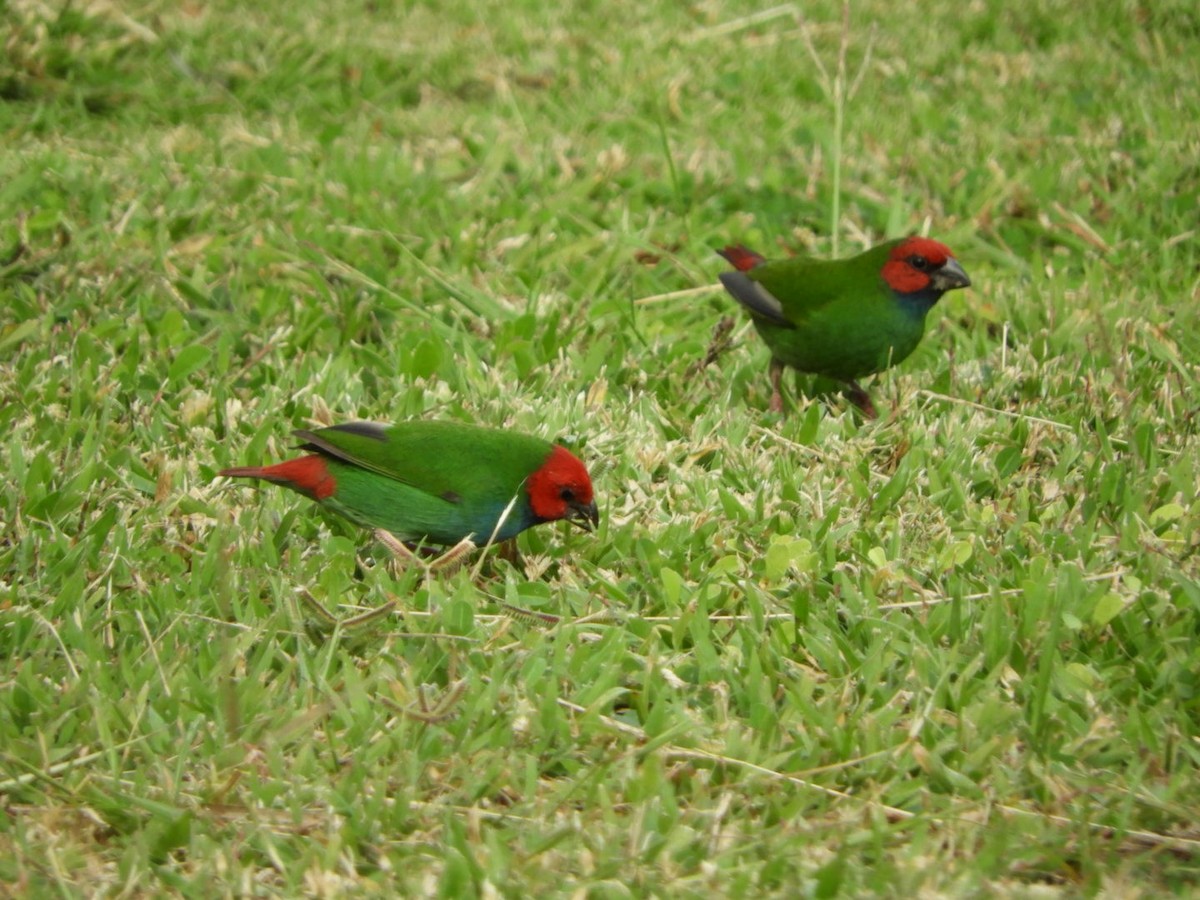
[[858, 395], [776, 373], [447, 563], [507, 550]]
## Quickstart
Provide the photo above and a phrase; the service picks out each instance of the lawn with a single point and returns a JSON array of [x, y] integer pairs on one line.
[[949, 652]]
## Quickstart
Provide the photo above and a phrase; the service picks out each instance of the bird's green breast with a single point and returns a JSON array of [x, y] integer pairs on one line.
[[846, 322], [846, 340]]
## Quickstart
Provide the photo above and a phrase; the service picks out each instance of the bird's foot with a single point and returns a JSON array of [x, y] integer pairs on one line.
[[446, 564], [776, 373], [858, 395]]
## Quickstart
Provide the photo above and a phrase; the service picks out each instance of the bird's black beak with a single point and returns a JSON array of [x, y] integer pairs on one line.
[[585, 515], [950, 276]]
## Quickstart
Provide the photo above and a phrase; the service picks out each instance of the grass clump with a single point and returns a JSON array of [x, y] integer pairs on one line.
[[952, 651]]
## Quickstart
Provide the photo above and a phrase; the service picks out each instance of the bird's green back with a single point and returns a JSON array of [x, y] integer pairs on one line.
[[443, 459], [803, 286]]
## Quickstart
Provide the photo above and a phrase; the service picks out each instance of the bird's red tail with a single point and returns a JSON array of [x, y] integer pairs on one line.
[[743, 258], [309, 475]]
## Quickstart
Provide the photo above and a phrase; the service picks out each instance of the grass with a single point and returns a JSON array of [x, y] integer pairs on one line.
[[951, 652]]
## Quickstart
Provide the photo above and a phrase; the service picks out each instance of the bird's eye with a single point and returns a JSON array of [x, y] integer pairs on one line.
[[566, 495], [919, 263]]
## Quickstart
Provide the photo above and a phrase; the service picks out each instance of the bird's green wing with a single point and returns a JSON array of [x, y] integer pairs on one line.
[[444, 459], [788, 291]]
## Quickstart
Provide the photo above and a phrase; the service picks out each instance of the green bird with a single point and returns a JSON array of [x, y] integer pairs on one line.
[[436, 482], [843, 319]]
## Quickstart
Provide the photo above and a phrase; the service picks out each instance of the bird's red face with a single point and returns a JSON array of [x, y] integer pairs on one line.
[[562, 489], [920, 264]]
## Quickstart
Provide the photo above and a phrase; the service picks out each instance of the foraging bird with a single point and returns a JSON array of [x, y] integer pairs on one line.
[[436, 482], [843, 319]]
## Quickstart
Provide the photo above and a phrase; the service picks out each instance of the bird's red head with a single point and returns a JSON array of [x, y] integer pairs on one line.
[[918, 264], [562, 489]]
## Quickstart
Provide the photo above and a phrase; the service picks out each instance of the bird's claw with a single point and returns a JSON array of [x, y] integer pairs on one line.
[[858, 395]]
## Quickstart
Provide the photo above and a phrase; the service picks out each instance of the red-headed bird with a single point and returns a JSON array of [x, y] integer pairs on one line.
[[436, 482], [843, 319]]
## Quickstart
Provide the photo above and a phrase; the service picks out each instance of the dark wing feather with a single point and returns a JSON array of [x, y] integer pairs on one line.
[[372, 430], [755, 298]]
